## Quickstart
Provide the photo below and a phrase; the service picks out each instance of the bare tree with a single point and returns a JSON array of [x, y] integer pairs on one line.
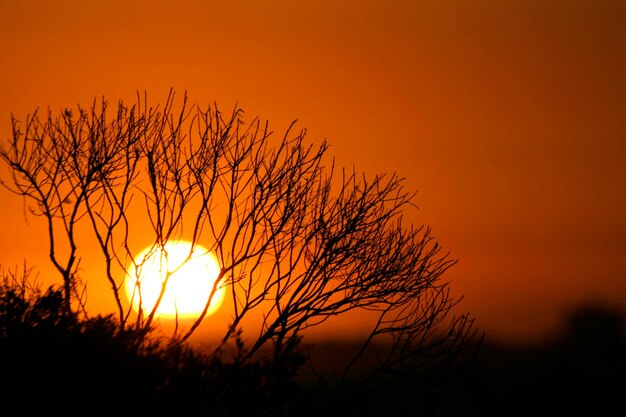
[[298, 240]]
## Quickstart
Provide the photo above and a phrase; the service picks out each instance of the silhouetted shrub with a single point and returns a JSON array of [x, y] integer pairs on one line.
[[52, 361]]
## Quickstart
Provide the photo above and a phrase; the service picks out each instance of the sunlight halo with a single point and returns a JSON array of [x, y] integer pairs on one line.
[[192, 271]]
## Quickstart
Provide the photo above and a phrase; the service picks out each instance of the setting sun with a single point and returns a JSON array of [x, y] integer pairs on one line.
[[192, 273]]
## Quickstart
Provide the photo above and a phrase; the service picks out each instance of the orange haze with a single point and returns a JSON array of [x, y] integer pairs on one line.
[[509, 117]]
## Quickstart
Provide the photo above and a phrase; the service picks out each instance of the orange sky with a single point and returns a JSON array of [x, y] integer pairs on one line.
[[509, 117]]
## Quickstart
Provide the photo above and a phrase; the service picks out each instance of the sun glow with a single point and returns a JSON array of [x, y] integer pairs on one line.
[[190, 271]]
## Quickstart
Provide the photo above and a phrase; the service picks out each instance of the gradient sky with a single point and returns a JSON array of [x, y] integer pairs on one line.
[[508, 117]]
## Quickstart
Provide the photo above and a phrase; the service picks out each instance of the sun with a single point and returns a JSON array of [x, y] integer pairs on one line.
[[192, 273]]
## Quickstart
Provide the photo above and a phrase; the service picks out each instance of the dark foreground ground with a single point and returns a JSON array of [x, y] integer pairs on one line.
[[51, 364], [557, 379], [581, 372]]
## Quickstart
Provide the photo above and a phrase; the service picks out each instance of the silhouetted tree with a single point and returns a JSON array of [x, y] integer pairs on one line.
[[298, 241]]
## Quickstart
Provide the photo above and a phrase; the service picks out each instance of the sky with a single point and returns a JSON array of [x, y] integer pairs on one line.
[[507, 117]]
